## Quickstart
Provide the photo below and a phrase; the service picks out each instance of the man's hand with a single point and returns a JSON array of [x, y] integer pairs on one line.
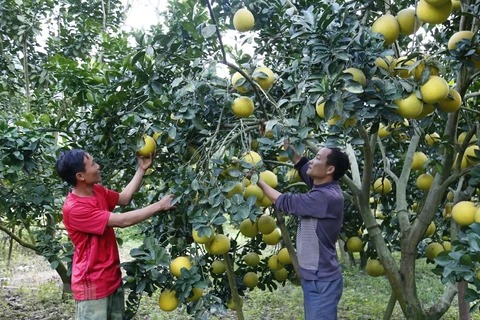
[[296, 156], [249, 174], [166, 203], [145, 163]]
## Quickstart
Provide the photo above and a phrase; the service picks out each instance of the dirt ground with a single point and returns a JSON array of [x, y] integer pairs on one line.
[[30, 289]]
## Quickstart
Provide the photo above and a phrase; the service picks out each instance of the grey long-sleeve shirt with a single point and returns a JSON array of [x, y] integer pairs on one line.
[[320, 213]]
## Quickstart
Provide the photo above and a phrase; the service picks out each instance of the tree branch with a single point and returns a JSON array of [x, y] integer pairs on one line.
[[18, 239], [234, 67]]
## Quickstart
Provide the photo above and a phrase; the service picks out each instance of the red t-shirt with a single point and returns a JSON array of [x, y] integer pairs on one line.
[[96, 264]]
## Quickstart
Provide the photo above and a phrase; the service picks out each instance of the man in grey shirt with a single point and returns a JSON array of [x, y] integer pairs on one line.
[[320, 213]]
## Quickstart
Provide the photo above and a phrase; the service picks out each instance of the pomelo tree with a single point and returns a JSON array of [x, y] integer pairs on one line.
[[361, 75]]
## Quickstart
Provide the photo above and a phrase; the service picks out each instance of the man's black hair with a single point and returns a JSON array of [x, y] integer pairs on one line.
[[340, 161], [69, 163]]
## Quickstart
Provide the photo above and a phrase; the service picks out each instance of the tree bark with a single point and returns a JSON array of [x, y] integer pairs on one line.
[[287, 241]]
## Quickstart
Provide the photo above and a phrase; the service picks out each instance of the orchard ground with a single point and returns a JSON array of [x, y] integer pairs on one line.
[[30, 290]]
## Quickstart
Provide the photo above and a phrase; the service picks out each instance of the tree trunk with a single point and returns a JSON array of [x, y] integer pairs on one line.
[[287, 241], [343, 255], [10, 248], [463, 307]]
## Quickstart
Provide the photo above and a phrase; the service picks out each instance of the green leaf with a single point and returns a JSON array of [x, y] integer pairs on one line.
[[54, 264], [176, 82], [188, 26], [219, 220], [209, 31]]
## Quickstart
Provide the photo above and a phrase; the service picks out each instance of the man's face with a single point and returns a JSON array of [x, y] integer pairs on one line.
[[318, 168], [92, 170]]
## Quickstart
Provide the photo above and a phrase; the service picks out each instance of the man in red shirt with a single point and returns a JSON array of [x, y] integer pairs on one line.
[[88, 218]]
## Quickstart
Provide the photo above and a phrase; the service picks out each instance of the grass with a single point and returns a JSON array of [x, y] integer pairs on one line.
[[363, 297]]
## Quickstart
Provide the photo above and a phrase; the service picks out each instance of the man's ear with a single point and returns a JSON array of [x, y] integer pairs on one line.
[[79, 176], [330, 170]]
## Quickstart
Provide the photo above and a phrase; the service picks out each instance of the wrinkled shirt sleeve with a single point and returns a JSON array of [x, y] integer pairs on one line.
[[307, 204], [302, 167]]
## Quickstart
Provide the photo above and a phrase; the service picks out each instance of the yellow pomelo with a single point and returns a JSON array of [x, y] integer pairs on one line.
[[264, 202], [433, 249], [354, 244], [240, 88], [401, 66], [414, 207], [383, 131], [252, 157], [219, 245], [447, 245], [231, 304], [334, 119], [248, 228], [168, 300], [421, 66], [282, 158], [284, 256], [434, 90], [452, 102], [374, 268], [430, 230], [292, 176], [450, 196], [426, 110], [387, 63], [424, 181], [250, 279], [379, 214], [197, 293], [156, 135], [218, 266], [470, 155], [149, 146], [280, 275], [243, 107], [269, 178], [406, 21], [477, 215], [463, 163], [243, 20], [462, 136], [358, 75], [382, 186], [388, 26], [253, 190], [254, 144], [350, 122], [234, 165], [409, 107], [320, 107], [431, 14], [237, 189], [204, 239], [457, 37], [419, 158], [437, 3], [273, 237], [456, 5], [432, 138], [265, 83], [447, 211], [266, 224], [178, 263], [463, 213], [252, 259], [274, 264]]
